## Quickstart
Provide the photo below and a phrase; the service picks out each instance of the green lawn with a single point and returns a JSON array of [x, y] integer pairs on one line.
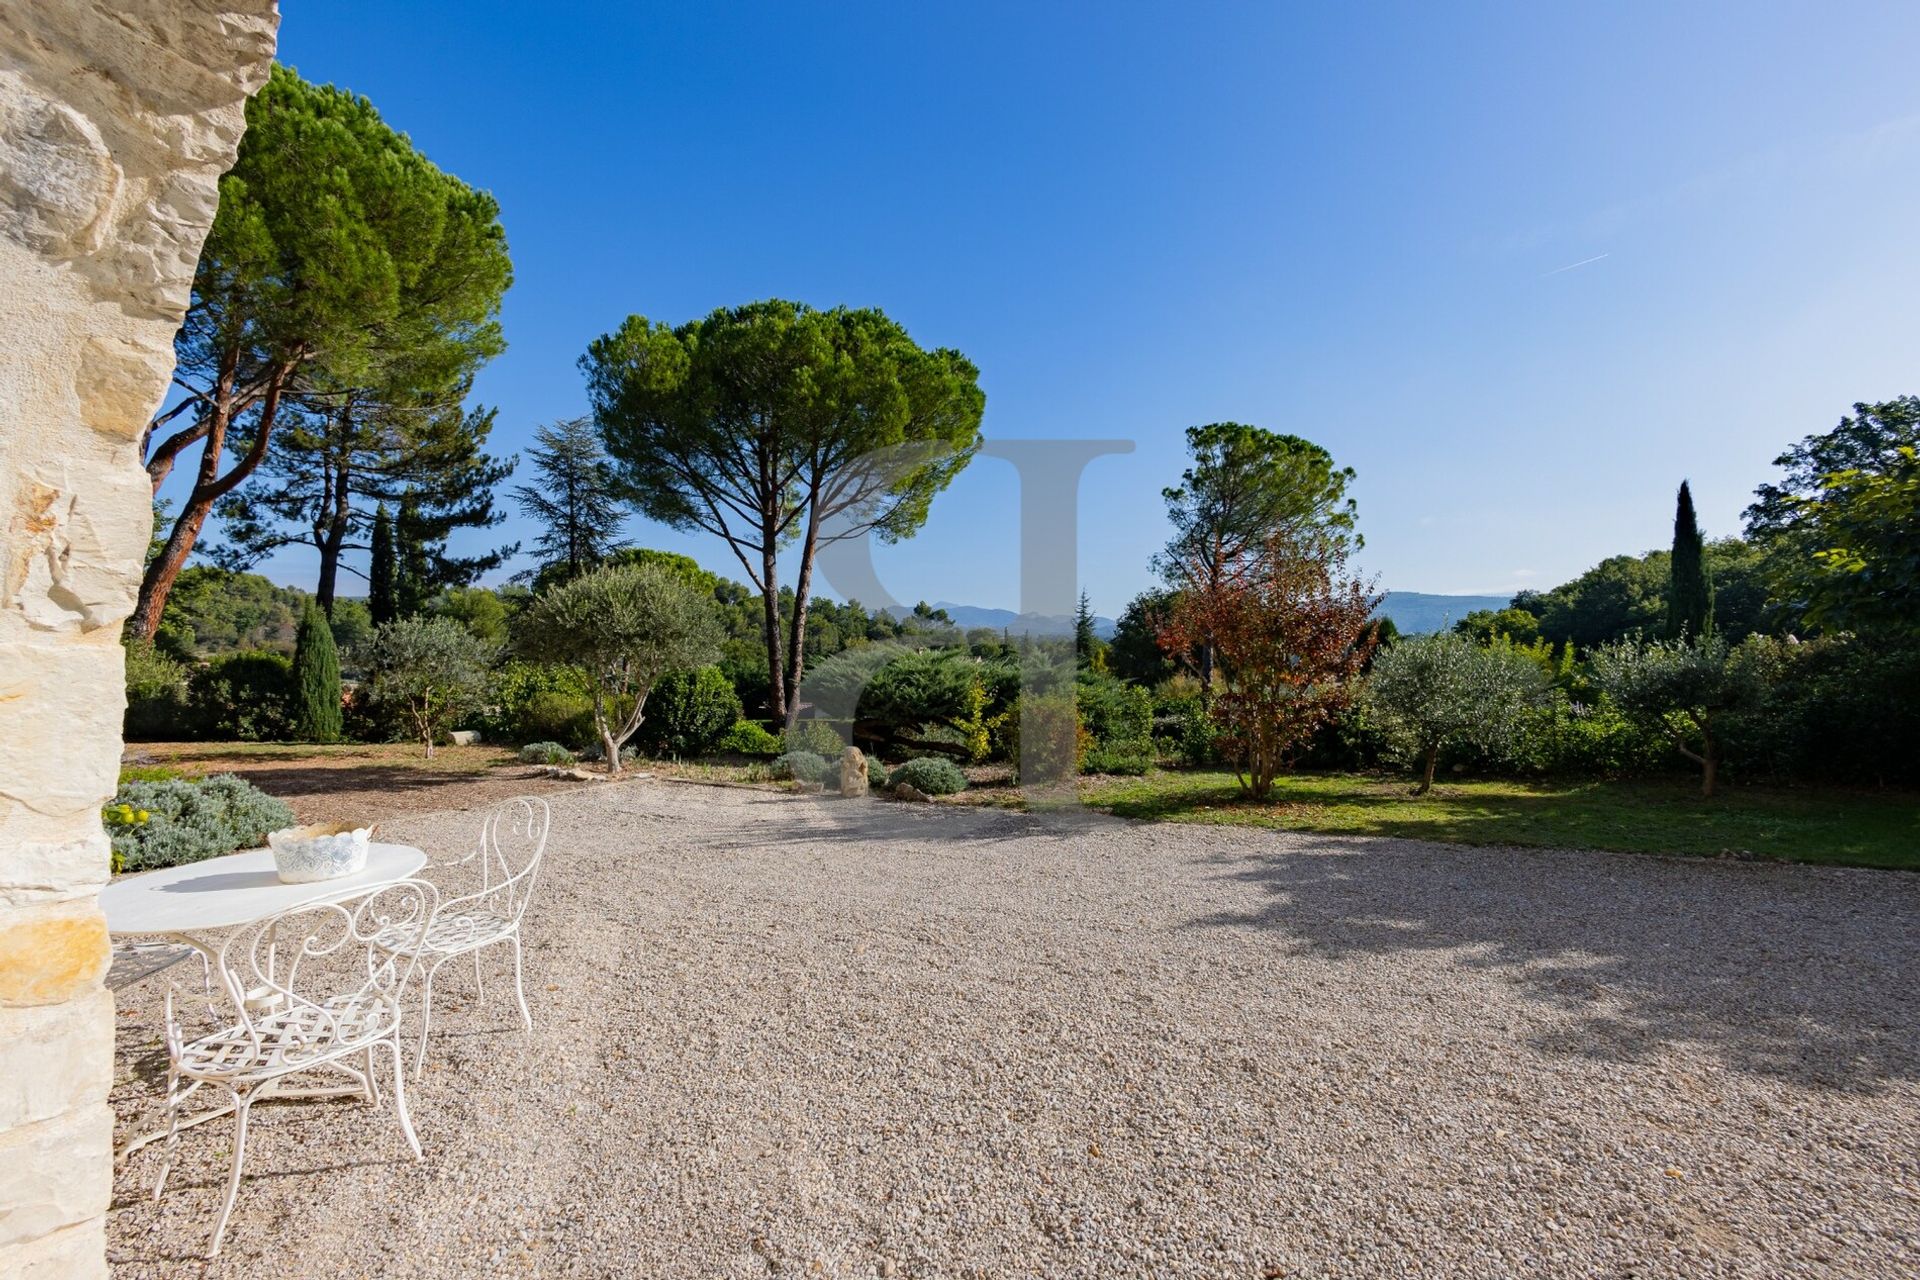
[[1857, 828]]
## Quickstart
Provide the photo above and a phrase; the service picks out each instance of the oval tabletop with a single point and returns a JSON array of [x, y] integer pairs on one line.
[[218, 893]]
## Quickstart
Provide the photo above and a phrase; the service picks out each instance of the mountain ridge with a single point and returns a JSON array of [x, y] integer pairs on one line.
[[1413, 612]]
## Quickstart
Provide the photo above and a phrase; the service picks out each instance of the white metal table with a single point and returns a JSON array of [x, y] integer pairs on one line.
[[185, 902]]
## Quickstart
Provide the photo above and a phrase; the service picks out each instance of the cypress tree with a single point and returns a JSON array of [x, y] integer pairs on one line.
[[1689, 591], [316, 679], [380, 599]]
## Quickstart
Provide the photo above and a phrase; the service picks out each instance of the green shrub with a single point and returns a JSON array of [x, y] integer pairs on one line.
[[364, 720], [242, 696], [187, 821], [1592, 739], [554, 716], [537, 701], [1045, 738], [1836, 709], [688, 713], [1199, 741], [545, 753], [157, 689], [1119, 718], [806, 766], [814, 737], [930, 775], [748, 738]]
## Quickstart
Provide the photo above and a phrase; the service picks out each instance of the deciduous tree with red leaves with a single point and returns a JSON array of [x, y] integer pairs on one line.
[[1290, 629]]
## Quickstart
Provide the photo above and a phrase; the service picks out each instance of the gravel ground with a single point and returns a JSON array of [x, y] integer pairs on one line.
[[786, 1036]]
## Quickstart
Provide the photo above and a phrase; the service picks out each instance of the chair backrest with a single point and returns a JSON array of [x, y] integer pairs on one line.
[[513, 840], [316, 965]]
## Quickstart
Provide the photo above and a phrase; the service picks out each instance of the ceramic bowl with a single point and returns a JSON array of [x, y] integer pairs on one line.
[[323, 851]]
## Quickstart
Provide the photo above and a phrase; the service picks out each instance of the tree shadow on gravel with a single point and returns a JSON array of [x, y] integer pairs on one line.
[[1784, 972], [831, 820]]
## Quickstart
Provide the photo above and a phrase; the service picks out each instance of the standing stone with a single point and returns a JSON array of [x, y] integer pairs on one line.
[[117, 118], [853, 773]]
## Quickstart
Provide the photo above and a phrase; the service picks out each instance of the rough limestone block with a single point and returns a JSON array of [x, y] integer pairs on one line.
[[53, 1174], [72, 1253], [52, 952], [55, 1058], [54, 773], [853, 773]]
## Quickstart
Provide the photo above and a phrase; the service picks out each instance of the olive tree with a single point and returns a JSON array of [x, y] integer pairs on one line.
[[1685, 688], [623, 627], [1430, 692], [434, 668]]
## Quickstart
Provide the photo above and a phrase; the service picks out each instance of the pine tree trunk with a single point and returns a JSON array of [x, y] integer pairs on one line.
[[797, 636], [157, 584], [770, 622], [330, 549], [208, 488]]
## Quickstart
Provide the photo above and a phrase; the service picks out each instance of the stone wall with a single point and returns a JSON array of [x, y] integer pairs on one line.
[[117, 118]]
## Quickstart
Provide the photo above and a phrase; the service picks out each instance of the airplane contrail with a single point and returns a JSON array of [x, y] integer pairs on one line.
[[1571, 265]]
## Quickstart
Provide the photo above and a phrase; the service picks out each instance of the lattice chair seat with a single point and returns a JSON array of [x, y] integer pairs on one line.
[[452, 931], [292, 1038]]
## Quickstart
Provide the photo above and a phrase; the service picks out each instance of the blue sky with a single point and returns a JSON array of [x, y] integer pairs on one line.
[[1360, 224]]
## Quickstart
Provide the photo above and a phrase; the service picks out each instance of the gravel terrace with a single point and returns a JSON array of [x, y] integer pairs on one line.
[[787, 1036]]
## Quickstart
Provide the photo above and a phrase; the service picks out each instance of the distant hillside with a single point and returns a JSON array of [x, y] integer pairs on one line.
[[967, 616], [1417, 612], [1414, 612]]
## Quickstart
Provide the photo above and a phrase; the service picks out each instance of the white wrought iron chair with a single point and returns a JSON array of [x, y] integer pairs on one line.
[[513, 839], [301, 991]]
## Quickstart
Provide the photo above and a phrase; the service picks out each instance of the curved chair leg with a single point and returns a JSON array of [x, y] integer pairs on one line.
[[400, 1095], [519, 986], [426, 1017], [479, 978], [241, 1101], [373, 1079], [173, 1131]]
